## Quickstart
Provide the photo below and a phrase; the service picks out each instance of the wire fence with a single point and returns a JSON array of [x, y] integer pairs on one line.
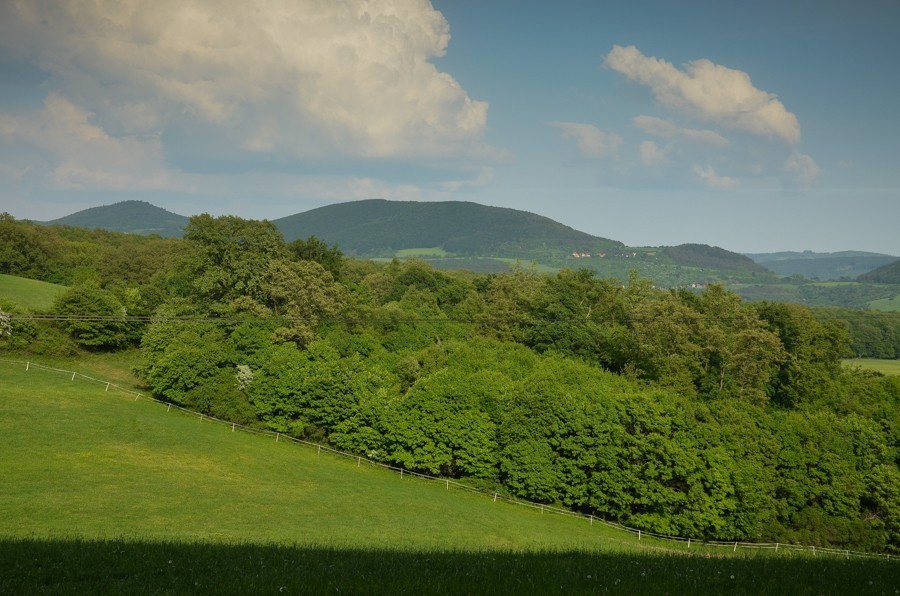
[[495, 496]]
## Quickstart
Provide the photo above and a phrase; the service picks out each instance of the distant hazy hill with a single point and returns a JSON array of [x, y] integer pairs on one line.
[[134, 217], [886, 274], [713, 257], [380, 228], [823, 266]]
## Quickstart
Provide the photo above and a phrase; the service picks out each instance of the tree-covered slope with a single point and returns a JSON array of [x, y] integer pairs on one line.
[[379, 227], [822, 266], [135, 217], [702, 255], [886, 274]]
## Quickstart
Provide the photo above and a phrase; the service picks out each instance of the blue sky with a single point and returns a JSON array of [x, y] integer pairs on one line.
[[757, 127]]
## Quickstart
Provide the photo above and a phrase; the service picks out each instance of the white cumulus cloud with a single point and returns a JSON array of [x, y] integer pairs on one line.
[[592, 142], [709, 92], [305, 78], [713, 180]]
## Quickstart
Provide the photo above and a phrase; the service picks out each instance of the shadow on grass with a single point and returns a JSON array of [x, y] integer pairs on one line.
[[64, 566]]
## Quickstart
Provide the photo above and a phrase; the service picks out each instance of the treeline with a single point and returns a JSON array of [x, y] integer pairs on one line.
[[699, 415]]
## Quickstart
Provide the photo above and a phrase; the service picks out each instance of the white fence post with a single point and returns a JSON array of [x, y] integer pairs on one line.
[[639, 534], [73, 376]]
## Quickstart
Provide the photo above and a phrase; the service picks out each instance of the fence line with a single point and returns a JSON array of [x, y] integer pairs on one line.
[[691, 542]]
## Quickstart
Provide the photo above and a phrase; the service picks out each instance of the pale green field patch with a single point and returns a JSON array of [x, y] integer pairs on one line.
[[29, 293]]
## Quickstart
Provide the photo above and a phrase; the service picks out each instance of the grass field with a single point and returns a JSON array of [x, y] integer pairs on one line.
[[29, 293], [104, 493], [886, 304], [887, 367], [407, 253]]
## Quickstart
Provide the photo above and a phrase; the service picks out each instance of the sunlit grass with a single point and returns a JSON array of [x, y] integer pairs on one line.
[[29, 293], [886, 367], [436, 251], [886, 304]]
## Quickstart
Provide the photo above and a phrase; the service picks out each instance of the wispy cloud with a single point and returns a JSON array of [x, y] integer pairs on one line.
[[669, 130], [62, 141], [652, 154], [800, 171], [592, 142], [708, 92], [713, 180]]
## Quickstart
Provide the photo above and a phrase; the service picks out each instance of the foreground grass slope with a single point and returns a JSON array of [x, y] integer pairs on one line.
[[102, 493], [81, 462]]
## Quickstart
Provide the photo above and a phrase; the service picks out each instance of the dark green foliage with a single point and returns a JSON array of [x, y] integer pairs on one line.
[[886, 274], [23, 250], [314, 249], [379, 228], [713, 257], [97, 318], [133, 217], [872, 334]]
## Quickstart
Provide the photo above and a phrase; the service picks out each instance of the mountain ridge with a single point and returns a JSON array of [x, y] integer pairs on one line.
[[462, 230]]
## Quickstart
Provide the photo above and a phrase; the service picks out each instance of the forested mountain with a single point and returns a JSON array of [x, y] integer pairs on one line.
[[134, 217], [380, 228], [822, 266], [886, 274]]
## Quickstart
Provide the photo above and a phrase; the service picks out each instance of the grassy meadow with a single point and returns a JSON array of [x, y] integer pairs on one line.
[[886, 304], [102, 492], [29, 293], [885, 367]]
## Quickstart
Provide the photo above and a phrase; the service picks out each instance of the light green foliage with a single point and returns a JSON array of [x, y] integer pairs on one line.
[[227, 257], [302, 292], [438, 427]]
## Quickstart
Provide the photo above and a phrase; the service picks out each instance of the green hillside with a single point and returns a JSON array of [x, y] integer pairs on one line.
[[822, 266], [79, 460], [29, 293], [134, 217], [886, 274], [104, 493], [381, 228], [713, 257]]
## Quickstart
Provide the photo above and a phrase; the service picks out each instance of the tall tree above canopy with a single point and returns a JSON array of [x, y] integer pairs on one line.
[[227, 257]]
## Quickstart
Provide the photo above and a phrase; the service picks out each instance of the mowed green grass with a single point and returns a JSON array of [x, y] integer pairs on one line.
[[29, 293], [886, 304], [104, 493], [886, 367]]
